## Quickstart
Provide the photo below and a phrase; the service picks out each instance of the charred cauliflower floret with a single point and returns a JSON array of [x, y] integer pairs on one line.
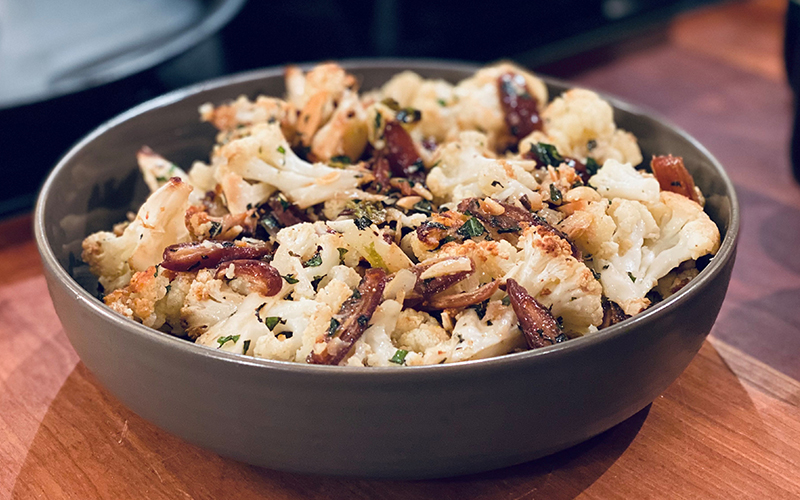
[[559, 281], [158, 224]]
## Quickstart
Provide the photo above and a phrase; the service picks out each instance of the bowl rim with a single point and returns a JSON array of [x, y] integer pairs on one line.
[[166, 341]]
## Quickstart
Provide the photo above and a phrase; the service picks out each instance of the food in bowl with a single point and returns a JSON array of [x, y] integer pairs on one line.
[[420, 223]]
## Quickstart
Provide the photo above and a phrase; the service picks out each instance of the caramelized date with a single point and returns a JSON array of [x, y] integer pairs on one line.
[[400, 151], [519, 106], [352, 319], [537, 324], [432, 286], [262, 277], [673, 176], [382, 172], [612, 313], [193, 256]]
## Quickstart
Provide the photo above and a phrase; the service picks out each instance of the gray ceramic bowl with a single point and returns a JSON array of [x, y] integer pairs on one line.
[[412, 422]]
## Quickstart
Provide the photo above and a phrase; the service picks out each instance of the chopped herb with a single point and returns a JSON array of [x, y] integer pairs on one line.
[[416, 167], [591, 166], [408, 115], [497, 183], [286, 335], [284, 202], [169, 287], [489, 323], [594, 273], [156, 274], [555, 194], [399, 357], [272, 321], [423, 206], [605, 267], [363, 222], [480, 308], [314, 261], [245, 346], [591, 144], [342, 251], [513, 229], [216, 228], [506, 300], [363, 320], [291, 279], [315, 282], [561, 338], [441, 102], [222, 340], [391, 104], [631, 276], [356, 295], [162, 179], [471, 228], [281, 150], [378, 121], [447, 239], [547, 154], [344, 159], [334, 326]]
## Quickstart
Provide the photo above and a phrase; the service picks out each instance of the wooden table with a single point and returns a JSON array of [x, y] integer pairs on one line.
[[729, 427]]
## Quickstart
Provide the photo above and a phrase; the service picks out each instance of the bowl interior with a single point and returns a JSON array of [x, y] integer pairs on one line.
[[98, 181]]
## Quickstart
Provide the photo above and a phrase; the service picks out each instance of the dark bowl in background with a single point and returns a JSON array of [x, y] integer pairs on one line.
[[411, 422]]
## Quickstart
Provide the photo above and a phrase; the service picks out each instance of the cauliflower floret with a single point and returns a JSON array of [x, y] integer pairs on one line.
[[495, 334], [295, 325], [375, 347], [492, 261], [621, 180], [345, 134], [207, 302], [651, 243], [244, 113], [158, 224], [418, 331], [307, 252], [240, 195], [549, 272], [467, 169], [581, 124], [266, 157], [138, 299], [587, 224], [402, 87], [435, 99]]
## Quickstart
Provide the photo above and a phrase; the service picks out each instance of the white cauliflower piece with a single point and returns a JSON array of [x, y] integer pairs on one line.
[[581, 124], [158, 224], [466, 168], [375, 347], [495, 334], [418, 331], [265, 156], [402, 87], [345, 134], [207, 302], [651, 243], [306, 252], [549, 272], [621, 180], [240, 195], [588, 226]]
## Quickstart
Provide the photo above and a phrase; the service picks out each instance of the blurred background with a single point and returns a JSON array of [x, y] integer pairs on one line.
[[67, 66]]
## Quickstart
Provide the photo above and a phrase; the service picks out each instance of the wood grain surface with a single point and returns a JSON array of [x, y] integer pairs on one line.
[[728, 428]]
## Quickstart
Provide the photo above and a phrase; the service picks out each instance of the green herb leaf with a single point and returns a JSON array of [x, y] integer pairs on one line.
[[281, 150], [245, 346], [222, 340], [423, 206], [343, 159], [342, 251], [441, 102], [547, 154], [334, 326], [408, 115], [506, 300], [591, 166], [471, 228], [399, 357], [555, 194], [272, 321], [291, 279], [631, 276], [363, 222], [216, 228], [314, 261], [378, 118]]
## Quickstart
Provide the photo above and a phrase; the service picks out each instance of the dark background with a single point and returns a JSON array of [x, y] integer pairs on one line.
[[533, 33]]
